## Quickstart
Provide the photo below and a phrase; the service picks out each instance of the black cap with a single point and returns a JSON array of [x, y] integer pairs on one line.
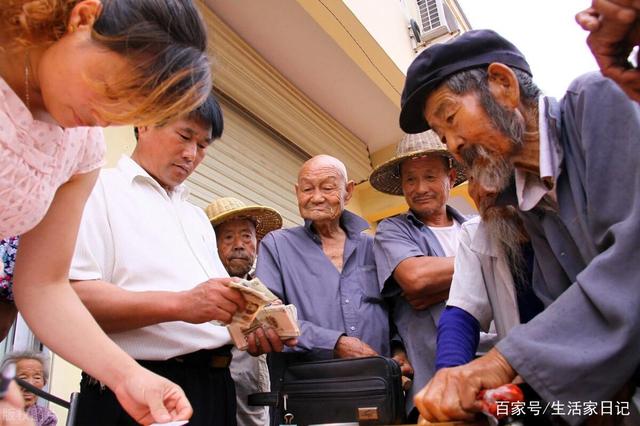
[[472, 49]]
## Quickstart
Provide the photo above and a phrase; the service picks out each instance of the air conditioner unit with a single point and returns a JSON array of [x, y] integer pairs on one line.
[[434, 20]]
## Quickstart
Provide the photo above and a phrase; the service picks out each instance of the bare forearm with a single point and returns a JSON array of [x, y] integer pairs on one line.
[[56, 315], [425, 301], [424, 276], [119, 310], [47, 301]]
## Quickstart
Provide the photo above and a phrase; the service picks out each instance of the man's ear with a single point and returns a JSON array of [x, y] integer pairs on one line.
[[349, 188], [503, 85], [84, 14], [453, 175]]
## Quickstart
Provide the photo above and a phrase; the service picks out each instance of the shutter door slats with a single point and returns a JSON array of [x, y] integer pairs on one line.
[[250, 163]]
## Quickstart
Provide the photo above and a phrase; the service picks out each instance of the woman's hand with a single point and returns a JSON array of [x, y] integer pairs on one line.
[[12, 408], [150, 398]]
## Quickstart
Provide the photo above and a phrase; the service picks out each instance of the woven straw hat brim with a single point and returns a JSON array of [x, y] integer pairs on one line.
[[265, 218], [386, 177]]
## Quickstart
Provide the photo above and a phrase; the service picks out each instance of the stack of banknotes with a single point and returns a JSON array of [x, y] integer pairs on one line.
[[263, 309]]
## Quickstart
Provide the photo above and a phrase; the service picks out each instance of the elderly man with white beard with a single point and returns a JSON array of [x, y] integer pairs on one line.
[[476, 91]]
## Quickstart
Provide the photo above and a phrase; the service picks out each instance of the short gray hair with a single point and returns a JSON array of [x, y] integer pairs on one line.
[[477, 79], [14, 357]]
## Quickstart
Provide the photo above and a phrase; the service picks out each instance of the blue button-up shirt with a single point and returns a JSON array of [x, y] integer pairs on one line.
[[398, 238], [330, 303]]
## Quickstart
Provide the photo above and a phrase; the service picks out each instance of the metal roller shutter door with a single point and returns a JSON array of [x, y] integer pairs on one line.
[[251, 163]]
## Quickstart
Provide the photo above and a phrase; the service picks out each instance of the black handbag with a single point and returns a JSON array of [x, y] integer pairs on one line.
[[365, 390]]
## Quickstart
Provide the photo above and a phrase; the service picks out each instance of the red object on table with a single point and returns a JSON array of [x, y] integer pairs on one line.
[[506, 393]]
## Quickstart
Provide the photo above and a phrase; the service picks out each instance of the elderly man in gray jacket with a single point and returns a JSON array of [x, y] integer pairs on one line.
[[577, 186]]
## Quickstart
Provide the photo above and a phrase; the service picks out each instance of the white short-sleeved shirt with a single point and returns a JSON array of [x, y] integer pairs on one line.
[[482, 283], [447, 237], [36, 158], [136, 236]]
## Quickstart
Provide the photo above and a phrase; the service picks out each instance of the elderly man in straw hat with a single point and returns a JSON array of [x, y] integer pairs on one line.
[[415, 251], [239, 229], [577, 184]]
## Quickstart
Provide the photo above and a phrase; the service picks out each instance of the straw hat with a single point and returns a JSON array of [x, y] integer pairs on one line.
[[266, 219], [386, 177]]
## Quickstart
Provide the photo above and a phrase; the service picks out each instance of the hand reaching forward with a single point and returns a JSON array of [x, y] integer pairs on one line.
[[451, 393], [12, 408], [150, 398]]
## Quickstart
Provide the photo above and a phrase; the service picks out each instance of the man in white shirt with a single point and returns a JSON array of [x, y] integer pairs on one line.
[[146, 267], [415, 251]]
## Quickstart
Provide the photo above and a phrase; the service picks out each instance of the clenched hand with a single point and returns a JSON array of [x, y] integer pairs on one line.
[[451, 393], [210, 300], [352, 347]]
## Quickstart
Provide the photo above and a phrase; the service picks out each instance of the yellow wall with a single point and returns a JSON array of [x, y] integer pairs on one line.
[[387, 23], [64, 380], [120, 140]]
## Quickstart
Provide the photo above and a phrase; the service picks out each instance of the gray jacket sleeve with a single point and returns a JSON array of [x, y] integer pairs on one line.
[[586, 344]]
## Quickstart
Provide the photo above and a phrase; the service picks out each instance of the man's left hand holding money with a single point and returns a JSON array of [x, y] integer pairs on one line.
[[266, 340]]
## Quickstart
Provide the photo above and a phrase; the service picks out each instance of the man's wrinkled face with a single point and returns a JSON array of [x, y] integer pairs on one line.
[[322, 192], [237, 245], [426, 184], [484, 142]]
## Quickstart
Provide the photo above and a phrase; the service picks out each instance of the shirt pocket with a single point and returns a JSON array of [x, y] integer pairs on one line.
[[368, 278]]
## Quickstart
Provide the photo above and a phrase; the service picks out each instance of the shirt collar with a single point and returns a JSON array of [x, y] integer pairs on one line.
[[482, 242], [453, 213], [414, 219], [531, 188], [133, 171], [352, 224]]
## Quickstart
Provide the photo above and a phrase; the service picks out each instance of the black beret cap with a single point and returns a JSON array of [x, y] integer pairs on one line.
[[473, 49]]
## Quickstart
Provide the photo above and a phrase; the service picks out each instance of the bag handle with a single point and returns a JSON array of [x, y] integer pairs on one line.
[[271, 399]]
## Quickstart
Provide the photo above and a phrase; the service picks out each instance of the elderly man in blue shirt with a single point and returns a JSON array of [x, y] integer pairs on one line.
[[415, 251], [326, 268]]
